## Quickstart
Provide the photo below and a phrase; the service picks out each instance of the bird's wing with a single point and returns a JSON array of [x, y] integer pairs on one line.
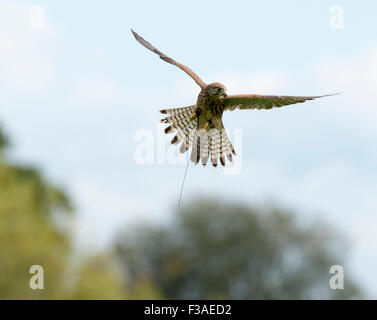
[[164, 57], [256, 101]]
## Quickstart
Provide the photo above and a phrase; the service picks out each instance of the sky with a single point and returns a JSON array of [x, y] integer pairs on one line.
[[80, 99]]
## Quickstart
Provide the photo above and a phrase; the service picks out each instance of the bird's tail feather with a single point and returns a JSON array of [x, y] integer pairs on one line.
[[213, 144], [179, 120]]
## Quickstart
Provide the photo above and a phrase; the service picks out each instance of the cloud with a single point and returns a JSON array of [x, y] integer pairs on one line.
[[102, 212], [25, 62], [364, 233], [356, 77], [98, 89]]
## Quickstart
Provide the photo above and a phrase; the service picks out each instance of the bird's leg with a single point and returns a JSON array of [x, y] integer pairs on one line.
[[195, 114], [208, 125]]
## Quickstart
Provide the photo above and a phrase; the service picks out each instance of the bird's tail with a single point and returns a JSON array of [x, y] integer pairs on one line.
[[213, 143], [179, 120]]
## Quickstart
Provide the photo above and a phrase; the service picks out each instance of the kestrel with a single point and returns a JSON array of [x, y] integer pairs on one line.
[[200, 125]]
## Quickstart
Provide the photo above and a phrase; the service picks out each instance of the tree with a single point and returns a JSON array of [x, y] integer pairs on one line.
[[3, 143], [98, 278], [213, 249], [27, 237], [31, 235]]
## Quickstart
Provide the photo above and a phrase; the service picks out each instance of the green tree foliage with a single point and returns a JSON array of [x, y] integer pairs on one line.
[[3, 141], [214, 249], [29, 235], [99, 278]]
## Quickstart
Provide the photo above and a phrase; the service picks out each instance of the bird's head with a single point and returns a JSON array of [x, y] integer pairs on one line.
[[216, 89]]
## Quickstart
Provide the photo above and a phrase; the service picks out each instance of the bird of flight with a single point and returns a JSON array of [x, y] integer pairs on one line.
[[200, 125]]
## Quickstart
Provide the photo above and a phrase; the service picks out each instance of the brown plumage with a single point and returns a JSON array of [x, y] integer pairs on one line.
[[201, 126]]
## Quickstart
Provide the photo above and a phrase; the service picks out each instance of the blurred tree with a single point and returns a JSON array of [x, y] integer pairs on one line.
[[26, 233], [3, 140], [218, 250], [98, 278], [30, 235]]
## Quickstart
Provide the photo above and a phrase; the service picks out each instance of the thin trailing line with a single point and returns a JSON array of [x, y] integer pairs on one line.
[[183, 183]]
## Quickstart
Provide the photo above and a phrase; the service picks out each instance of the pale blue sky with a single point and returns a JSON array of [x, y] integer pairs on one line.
[[74, 94]]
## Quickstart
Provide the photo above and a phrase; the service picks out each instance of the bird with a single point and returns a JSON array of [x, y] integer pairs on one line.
[[200, 125]]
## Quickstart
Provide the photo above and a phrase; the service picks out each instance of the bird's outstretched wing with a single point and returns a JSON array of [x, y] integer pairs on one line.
[[164, 57], [256, 101]]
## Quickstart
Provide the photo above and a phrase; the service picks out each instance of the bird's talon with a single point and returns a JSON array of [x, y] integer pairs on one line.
[[193, 117]]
